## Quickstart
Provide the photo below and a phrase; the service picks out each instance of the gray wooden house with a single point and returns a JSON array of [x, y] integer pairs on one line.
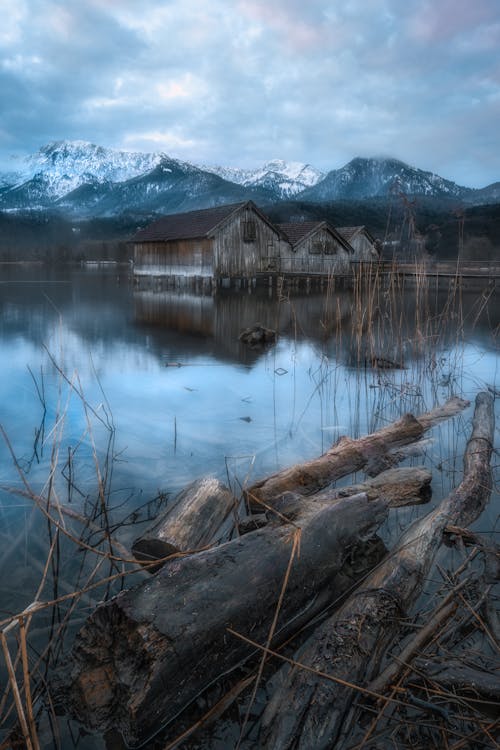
[[314, 247], [365, 246], [232, 241]]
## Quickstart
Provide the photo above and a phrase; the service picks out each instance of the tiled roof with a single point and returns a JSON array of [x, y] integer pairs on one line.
[[297, 230], [349, 232], [190, 225]]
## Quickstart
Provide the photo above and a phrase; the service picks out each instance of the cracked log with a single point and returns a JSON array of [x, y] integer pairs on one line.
[[306, 710], [195, 519], [348, 456], [146, 654]]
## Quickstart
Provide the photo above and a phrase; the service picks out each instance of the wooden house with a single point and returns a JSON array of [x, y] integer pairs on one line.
[[314, 247], [232, 241], [365, 246]]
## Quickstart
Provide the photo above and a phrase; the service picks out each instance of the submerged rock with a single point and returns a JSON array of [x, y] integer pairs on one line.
[[258, 335]]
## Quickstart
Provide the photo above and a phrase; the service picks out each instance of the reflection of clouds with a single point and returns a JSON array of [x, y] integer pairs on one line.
[[176, 423]]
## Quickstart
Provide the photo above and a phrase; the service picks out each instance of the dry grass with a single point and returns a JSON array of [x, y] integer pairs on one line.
[[34, 638]]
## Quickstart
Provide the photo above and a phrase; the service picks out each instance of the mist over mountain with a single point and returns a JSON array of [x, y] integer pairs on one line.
[[376, 178], [83, 180]]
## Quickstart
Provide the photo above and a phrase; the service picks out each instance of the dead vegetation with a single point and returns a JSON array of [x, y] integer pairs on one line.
[[401, 651]]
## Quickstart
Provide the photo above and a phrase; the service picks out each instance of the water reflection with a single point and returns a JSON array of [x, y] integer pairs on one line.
[[228, 410], [379, 325]]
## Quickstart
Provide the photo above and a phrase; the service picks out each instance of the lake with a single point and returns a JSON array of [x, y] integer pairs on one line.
[[110, 392]]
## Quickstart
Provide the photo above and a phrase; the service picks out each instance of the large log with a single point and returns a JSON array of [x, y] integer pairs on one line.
[[196, 518], [399, 487], [408, 485], [306, 710], [348, 456], [146, 654]]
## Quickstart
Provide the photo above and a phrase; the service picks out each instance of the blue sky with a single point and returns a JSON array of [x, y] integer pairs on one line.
[[243, 81]]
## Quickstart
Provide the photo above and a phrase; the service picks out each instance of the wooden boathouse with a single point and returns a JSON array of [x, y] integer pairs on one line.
[[314, 247], [364, 245], [213, 244]]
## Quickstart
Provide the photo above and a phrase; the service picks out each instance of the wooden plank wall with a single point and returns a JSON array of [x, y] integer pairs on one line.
[[302, 260], [236, 258], [174, 258]]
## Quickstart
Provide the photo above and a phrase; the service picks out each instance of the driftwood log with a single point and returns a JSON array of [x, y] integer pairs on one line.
[[306, 710], [369, 453], [195, 520], [402, 486], [146, 654], [398, 487], [143, 656]]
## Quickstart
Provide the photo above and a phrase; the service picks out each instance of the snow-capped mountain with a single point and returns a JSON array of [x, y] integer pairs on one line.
[[65, 165], [366, 178], [83, 179], [172, 186], [286, 179]]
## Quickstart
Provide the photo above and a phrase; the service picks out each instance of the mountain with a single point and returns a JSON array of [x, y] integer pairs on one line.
[[283, 179], [367, 178], [82, 179], [172, 186], [65, 165], [487, 195]]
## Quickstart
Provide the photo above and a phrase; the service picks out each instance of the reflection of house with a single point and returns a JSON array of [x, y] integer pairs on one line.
[[210, 324], [223, 242], [364, 245], [315, 246]]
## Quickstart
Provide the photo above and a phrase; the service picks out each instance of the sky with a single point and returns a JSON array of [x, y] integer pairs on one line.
[[239, 82]]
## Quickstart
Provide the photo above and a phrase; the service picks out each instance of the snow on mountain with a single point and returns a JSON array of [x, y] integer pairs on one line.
[[65, 165], [86, 179], [284, 178], [366, 178]]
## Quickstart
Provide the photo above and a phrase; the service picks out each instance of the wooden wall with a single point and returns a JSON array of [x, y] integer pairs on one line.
[[238, 256], [174, 258], [319, 253], [363, 247]]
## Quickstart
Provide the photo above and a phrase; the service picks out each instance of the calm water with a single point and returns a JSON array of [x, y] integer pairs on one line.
[[82, 352]]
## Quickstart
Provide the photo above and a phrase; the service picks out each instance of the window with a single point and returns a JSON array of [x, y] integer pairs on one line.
[[249, 231], [316, 247]]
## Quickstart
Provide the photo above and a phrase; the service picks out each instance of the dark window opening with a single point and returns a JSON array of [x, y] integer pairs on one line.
[[316, 248], [330, 248], [249, 231]]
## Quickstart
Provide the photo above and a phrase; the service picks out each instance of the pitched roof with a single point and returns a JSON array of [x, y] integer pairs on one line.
[[190, 225], [296, 231], [350, 232]]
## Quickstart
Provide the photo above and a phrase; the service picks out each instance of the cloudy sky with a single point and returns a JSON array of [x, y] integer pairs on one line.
[[238, 82]]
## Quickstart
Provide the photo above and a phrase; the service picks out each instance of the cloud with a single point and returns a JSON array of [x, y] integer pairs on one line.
[[247, 81]]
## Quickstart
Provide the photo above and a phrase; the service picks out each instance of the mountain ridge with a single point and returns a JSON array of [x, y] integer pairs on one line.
[[84, 179]]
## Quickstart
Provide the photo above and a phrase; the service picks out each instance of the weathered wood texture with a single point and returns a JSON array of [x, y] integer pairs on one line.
[[361, 242], [402, 486], [348, 456], [242, 245], [321, 252], [308, 711], [235, 255], [176, 257], [147, 653], [195, 519]]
